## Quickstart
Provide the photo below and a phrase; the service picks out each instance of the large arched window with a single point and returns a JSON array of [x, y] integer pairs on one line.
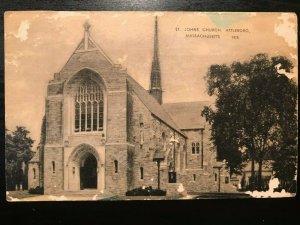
[[88, 108]]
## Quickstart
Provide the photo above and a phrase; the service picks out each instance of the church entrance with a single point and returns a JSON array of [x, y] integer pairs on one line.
[[88, 172]]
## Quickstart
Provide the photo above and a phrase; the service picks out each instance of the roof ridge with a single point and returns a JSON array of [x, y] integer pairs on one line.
[[101, 50], [174, 125], [186, 102]]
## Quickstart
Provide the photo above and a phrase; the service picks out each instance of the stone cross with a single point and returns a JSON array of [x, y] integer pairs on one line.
[[86, 26]]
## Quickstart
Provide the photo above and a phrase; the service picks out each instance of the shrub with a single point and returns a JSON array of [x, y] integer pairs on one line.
[[146, 191], [37, 190]]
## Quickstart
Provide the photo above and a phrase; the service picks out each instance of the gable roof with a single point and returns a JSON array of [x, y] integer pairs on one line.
[[87, 48], [187, 114], [87, 44], [153, 106], [36, 157]]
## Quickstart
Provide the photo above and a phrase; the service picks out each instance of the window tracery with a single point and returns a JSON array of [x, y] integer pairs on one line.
[[89, 108]]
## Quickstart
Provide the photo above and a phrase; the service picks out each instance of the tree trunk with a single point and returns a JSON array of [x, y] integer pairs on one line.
[[259, 176], [252, 178]]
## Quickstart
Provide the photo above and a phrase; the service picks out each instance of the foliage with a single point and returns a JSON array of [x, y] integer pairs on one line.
[[36, 190], [255, 113], [17, 154], [146, 191]]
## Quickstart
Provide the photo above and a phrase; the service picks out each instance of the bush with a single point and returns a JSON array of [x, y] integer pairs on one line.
[[37, 190], [145, 191]]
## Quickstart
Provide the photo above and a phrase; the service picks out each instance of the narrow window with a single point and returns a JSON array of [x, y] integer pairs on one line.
[[73, 170], [197, 148], [216, 177], [116, 166], [89, 116], [100, 115], [194, 177], [34, 173], [77, 116], [193, 148], [53, 167], [83, 116], [163, 135], [95, 116], [141, 173], [141, 131]]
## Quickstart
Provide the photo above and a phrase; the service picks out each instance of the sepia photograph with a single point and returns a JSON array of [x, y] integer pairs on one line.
[[140, 105]]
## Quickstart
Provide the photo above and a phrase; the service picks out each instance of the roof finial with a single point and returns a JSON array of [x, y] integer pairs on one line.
[[86, 26]]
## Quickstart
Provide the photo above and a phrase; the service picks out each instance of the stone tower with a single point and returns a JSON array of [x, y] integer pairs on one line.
[[155, 79]]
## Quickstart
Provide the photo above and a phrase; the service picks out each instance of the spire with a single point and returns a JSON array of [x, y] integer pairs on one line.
[[155, 79]]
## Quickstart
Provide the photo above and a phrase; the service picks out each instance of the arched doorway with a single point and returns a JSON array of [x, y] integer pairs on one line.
[[88, 172], [85, 169]]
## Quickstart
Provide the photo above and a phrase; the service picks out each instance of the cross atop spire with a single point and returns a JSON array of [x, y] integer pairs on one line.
[[155, 79]]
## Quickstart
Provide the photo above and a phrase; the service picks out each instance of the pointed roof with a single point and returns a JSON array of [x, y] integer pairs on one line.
[[155, 79], [153, 106], [36, 157], [187, 114], [88, 44]]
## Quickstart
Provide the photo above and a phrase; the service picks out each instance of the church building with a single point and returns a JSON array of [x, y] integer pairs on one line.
[[104, 131]]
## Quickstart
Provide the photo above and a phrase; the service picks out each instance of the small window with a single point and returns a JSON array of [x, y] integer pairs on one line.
[[194, 177], [216, 177], [141, 135], [141, 173], [163, 135], [226, 180], [197, 148], [34, 175], [53, 167], [116, 166], [193, 148], [73, 170]]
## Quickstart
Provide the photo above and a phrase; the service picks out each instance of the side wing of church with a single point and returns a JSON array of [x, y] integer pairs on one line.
[[103, 130]]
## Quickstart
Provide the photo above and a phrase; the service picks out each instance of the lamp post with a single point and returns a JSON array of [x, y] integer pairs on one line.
[[158, 157], [219, 166]]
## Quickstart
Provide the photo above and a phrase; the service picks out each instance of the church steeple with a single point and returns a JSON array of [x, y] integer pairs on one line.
[[155, 79]]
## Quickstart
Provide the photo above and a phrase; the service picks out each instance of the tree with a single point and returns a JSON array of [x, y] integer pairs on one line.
[[255, 111], [17, 153], [10, 161]]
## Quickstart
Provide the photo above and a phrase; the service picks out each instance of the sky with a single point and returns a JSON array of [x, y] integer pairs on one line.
[[39, 43]]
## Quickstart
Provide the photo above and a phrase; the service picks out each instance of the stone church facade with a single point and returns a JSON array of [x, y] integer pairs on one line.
[[102, 129]]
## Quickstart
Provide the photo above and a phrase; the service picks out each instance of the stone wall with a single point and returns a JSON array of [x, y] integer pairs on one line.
[[116, 178], [54, 121], [194, 160], [195, 178], [53, 151], [142, 122], [33, 177], [53, 167], [59, 120]]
